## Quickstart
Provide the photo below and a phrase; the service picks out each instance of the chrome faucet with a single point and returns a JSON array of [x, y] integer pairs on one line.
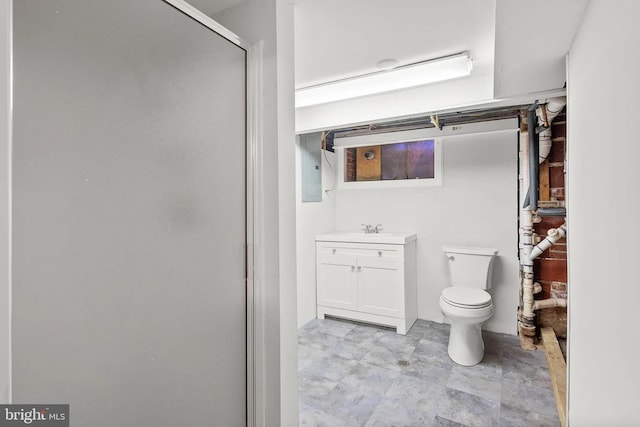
[[368, 228]]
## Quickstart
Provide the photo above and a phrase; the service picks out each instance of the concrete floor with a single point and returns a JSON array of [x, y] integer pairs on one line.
[[352, 374]]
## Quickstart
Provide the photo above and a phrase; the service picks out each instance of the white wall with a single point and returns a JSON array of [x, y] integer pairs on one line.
[[5, 204], [312, 218], [603, 176], [533, 61], [476, 206], [272, 22], [287, 216]]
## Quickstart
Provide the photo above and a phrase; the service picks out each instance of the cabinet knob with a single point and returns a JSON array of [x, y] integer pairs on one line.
[[334, 251], [379, 253], [359, 268], [353, 268]]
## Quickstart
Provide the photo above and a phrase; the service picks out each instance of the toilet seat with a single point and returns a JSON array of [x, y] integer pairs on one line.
[[469, 298]]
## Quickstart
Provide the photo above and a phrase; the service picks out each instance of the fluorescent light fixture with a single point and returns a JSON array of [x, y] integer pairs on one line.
[[417, 74]]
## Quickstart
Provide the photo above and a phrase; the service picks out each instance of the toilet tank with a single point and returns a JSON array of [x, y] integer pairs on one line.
[[470, 267]]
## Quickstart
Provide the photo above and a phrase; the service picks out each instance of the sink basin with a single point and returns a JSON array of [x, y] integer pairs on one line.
[[362, 237]]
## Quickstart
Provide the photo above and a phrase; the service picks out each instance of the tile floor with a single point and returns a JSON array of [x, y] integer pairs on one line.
[[352, 374]]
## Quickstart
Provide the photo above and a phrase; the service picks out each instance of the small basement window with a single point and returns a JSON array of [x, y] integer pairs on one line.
[[398, 164]]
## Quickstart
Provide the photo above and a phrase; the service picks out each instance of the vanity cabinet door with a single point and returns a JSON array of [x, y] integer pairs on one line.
[[380, 287], [337, 281]]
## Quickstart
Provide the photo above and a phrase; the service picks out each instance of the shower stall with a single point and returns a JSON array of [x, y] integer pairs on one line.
[[129, 210]]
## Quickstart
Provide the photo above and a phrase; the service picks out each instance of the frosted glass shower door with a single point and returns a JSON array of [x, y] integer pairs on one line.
[[129, 216]]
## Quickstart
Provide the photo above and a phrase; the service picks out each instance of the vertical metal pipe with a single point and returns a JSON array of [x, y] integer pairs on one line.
[[531, 199]]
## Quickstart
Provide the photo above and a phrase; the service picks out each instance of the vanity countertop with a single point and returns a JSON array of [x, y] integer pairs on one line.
[[398, 238]]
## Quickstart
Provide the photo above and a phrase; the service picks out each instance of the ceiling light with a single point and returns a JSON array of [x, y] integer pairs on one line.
[[416, 74], [387, 64]]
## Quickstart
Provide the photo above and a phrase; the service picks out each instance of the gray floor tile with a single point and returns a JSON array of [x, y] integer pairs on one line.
[[410, 401], [437, 325], [337, 328], [387, 356], [369, 379], [391, 414], [350, 404], [411, 391], [349, 349], [327, 365], [492, 336], [312, 417], [494, 348], [399, 343], [510, 339], [490, 366], [314, 387], [350, 375], [425, 369], [479, 382], [468, 409], [418, 329], [443, 422], [365, 334], [530, 398], [434, 353], [305, 356], [513, 351], [316, 338], [516, 417], [437, 334], [531, 375]]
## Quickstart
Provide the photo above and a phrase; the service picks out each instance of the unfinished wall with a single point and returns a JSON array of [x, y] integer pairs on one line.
[[550, 268]]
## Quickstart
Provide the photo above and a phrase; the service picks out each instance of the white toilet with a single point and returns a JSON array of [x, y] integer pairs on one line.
[[466, 303]]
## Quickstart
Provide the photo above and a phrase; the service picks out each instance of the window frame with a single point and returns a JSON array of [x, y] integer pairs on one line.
[[436, 181]]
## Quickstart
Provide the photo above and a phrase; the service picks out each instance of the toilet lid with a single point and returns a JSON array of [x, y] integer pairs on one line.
[[466, 297]]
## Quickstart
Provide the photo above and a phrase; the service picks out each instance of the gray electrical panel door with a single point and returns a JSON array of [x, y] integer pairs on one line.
[[311, 166], [129, 215]]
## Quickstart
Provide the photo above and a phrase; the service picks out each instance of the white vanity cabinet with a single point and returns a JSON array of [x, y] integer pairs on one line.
[[367, 278]]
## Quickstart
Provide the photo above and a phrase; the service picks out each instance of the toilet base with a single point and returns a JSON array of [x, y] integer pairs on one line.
[[466, 346]]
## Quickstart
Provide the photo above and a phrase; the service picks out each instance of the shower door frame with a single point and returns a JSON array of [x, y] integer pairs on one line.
[[255, 390], [254, 250]]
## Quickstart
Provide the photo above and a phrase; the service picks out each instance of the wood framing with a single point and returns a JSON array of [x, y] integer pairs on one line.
[[558, 371]]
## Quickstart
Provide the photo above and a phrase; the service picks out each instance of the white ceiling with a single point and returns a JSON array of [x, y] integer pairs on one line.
[[532, 42], [341, 38], [518, 49]]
